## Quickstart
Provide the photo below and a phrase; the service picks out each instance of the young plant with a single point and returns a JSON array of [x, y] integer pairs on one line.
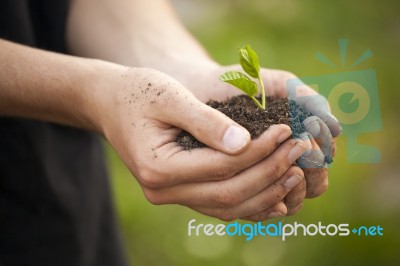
[[250, 64]]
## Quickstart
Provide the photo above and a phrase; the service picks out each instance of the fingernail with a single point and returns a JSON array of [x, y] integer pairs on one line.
[[284, 136], [292, 182], [297, 150], [275, 214], [235, 138]]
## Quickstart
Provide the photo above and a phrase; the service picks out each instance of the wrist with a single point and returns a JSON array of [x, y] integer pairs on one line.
[[100, 92]]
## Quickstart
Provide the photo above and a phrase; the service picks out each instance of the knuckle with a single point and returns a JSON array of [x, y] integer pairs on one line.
[[223, 174], [275, 170], [153, 197], [228, 199], [318, 190], [207, 114], [223, 171], [226, 215], [150, 178]]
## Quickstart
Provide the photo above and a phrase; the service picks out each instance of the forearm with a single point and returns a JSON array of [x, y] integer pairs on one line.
[[139, 33], [47, 86]]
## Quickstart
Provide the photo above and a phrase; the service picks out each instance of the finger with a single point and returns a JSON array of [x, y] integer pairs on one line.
[[294, 210], [236, 190], [317, 181], [204, 164], [321, 134], [233, 191], [278, 210], [315, 170], [317, 105], [294, 199], [206, 124], [276, 85], [333, 148], [263, 200], [314, 158]]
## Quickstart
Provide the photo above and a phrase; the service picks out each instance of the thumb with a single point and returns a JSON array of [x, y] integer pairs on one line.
[[207, 125]]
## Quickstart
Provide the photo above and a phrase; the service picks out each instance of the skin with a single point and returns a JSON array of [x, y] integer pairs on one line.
[[140, 110]]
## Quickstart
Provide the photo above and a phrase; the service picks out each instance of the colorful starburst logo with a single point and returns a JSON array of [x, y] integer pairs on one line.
[[354, 100]]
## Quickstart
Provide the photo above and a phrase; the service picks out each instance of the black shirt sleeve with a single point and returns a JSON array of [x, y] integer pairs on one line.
[[55, 198]]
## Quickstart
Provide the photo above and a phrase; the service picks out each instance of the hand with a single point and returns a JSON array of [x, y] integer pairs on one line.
[[142, 112], [322, 126]]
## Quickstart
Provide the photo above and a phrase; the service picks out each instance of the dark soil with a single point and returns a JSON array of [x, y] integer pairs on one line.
[[243, 110]]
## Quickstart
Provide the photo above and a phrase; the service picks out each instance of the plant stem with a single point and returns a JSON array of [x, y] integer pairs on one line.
[[257, 102], [263, 102]]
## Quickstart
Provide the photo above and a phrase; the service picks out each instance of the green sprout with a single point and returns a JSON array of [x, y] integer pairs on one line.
[[250, 64]]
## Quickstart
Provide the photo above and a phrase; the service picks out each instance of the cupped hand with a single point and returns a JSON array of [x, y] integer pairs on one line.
[[321, 127], [142, 114]]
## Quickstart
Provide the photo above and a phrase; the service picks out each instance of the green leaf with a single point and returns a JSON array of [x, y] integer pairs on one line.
[[241, 81], [249, 61]]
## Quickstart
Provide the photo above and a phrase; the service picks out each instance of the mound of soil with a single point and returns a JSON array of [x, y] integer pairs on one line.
[[243, 110]]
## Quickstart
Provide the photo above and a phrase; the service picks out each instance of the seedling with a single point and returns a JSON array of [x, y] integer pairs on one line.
[[250, 64]]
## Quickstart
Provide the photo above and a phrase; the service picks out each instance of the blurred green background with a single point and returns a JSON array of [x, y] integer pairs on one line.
[[287, 34]]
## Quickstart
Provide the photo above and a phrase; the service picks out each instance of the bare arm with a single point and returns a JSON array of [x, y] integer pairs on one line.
[[136, 33], [148, 33], [132, 108], [47, 86]]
